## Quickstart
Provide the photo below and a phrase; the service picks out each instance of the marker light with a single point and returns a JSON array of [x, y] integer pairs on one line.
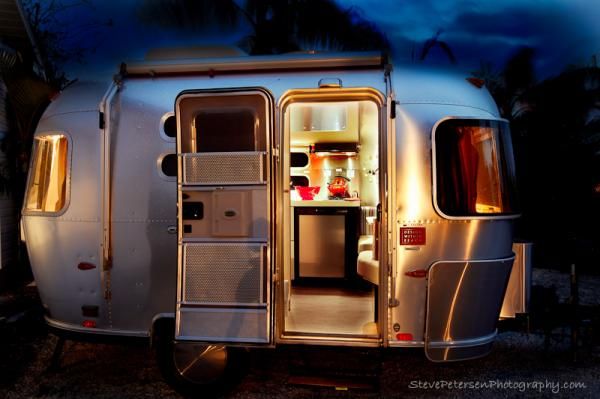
[[86, 266], [416, 273], [404, 337], [477, 82], [89, 324]]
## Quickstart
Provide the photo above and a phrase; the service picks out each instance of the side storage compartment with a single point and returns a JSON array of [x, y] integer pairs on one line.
[[463, 305]]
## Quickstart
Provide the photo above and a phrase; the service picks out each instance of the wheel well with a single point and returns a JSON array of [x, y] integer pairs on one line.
[[162, 328]]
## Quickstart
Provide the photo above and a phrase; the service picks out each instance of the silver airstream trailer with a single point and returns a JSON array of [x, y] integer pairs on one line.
[[314, 199]]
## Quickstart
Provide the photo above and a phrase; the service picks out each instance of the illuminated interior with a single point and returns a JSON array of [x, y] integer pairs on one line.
[[333, 159], [46, 191]]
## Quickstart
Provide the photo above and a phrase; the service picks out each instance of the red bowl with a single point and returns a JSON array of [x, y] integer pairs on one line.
[[307, 192]]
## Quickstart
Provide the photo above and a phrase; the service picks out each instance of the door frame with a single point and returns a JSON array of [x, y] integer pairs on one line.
[[282, 193]]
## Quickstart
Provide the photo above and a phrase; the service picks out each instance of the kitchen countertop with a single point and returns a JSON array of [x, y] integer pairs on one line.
[[325, 203]]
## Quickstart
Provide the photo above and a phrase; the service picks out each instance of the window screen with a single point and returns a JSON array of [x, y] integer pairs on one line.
[[47, 189], [218, 130], [475, 168]]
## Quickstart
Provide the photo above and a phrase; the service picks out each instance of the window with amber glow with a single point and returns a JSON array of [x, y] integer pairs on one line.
[[47, 188], [475, 168]]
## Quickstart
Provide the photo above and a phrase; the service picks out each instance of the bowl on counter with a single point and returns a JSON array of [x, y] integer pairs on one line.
[[307, 193]]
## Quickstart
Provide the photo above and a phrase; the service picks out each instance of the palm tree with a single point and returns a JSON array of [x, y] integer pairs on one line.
[[556, 137], [276, 26]]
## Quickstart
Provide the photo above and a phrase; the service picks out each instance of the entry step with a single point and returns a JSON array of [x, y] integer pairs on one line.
[[336, 368]]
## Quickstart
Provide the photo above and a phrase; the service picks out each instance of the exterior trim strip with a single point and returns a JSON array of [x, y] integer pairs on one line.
[[98, 331], [464, 343]]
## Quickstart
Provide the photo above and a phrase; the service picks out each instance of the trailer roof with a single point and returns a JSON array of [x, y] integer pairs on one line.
[[259, 63]]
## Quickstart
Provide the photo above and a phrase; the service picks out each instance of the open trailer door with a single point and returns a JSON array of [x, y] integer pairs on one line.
[[224, 214]]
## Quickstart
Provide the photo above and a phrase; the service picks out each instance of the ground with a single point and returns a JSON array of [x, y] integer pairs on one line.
[[109, 371]]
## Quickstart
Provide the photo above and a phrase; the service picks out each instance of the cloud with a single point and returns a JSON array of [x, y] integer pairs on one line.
[[560, 32]]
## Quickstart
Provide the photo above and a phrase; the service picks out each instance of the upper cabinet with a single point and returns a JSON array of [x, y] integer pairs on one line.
[[325, 122]]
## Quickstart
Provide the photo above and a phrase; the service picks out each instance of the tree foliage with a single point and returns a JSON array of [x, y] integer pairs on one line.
[[58, 41], [275, 26], [556, 135]]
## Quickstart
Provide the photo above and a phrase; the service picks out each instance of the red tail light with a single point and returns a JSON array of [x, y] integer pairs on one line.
[[404, 337], [86, 266], [89, 324], [416, 273]]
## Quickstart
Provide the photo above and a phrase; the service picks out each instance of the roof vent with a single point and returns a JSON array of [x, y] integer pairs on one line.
[[328, 83]]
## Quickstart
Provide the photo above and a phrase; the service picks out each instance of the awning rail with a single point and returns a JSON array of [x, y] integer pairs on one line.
[[260, 63]]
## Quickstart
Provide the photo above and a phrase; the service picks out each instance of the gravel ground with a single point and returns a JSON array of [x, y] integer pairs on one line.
[[115, 371], [589, 286]]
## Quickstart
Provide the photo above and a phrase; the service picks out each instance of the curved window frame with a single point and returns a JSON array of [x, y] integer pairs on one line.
[[161, 127], [30, 212], [159, 162], [434, 174], [303, 167]]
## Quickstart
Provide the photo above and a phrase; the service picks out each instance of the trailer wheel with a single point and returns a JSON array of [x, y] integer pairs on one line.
[[196, 369]]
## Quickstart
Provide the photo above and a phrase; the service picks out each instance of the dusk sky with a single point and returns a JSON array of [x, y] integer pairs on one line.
[[562, 32]]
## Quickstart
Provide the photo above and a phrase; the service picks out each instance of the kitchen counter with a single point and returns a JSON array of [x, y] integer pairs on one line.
[[326, 203]]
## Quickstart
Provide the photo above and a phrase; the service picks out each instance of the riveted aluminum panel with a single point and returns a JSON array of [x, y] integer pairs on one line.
[[221, 168], [219, 273], [459, 240]]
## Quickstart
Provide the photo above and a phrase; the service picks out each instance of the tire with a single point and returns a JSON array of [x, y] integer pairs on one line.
[[197, 370]]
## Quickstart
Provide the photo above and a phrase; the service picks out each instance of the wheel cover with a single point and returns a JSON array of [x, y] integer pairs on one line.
[[200, 364]]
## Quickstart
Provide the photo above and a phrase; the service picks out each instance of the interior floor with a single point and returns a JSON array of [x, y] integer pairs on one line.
[[331, 311]]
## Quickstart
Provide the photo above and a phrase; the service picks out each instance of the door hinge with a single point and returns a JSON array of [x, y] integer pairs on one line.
[[101, 119], [107, 264], [275, 152]]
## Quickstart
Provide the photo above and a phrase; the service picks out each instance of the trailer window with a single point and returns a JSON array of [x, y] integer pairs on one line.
[[223, 130], [47, 188], [170, 126], [475, 168]]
